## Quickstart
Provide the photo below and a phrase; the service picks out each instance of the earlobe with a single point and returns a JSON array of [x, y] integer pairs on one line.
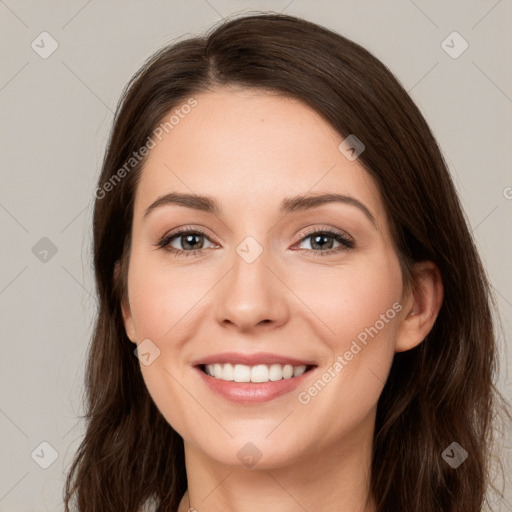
[[422, 305], [128, 321], [125, 308]]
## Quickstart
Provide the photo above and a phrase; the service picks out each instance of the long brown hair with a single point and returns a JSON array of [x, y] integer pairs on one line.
[[440, 392]]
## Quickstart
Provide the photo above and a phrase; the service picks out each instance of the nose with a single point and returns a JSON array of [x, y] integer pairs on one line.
[[252, 296]]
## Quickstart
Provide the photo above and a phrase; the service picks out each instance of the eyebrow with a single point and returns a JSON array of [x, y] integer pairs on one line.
[[289, 205]]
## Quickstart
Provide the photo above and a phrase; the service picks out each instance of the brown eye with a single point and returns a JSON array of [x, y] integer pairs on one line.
[[184, 242], [323, 241]]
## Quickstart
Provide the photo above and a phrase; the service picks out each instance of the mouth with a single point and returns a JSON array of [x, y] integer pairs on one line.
[[258, 374], [249, 379]]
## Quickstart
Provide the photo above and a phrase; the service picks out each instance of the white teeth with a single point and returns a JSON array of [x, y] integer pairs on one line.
[[299, 370], [257, 373], [217, 370], [242, 373], [275, 372], [287, 371]]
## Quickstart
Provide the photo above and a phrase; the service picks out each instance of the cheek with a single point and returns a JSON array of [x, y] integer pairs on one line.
[[349, 300], [164, 307], [160, 304], [360, 306], [162, 299]]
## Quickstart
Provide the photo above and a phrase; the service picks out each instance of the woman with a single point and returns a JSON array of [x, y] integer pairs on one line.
[[292, 313]]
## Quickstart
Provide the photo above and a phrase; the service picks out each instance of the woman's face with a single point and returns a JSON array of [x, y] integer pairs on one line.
[[274, 282]]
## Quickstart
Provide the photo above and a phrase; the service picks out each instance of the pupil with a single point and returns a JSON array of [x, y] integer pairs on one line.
[[189, 241], [321, 246]]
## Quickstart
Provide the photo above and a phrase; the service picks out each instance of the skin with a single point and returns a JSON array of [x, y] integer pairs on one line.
[[249, 150]]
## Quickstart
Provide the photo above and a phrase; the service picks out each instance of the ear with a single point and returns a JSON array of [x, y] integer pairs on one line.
[[421, 306], [125, 307]]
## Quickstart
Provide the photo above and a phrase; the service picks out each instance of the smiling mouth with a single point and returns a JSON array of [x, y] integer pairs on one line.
[[259, 373]]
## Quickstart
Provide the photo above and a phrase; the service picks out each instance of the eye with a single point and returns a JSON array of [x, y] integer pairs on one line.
[[322, 241], [191, 242], [184, 242]]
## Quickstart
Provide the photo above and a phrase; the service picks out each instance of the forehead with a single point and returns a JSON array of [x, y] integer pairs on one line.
[[251, 149]]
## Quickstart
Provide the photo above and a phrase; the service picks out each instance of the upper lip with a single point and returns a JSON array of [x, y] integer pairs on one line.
[[252, 359]]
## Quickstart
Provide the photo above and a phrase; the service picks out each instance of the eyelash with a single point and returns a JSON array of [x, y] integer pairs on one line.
[[341, 237]]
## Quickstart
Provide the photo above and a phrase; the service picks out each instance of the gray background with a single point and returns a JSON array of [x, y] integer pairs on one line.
[[56, 114]]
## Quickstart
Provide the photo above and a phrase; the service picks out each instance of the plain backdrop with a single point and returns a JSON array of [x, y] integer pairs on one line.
[[56, 113]]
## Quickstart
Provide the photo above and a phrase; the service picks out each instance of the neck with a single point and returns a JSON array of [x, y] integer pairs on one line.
[[332, 479]]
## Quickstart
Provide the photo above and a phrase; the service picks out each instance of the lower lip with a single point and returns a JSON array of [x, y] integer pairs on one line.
[[252, 392]]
